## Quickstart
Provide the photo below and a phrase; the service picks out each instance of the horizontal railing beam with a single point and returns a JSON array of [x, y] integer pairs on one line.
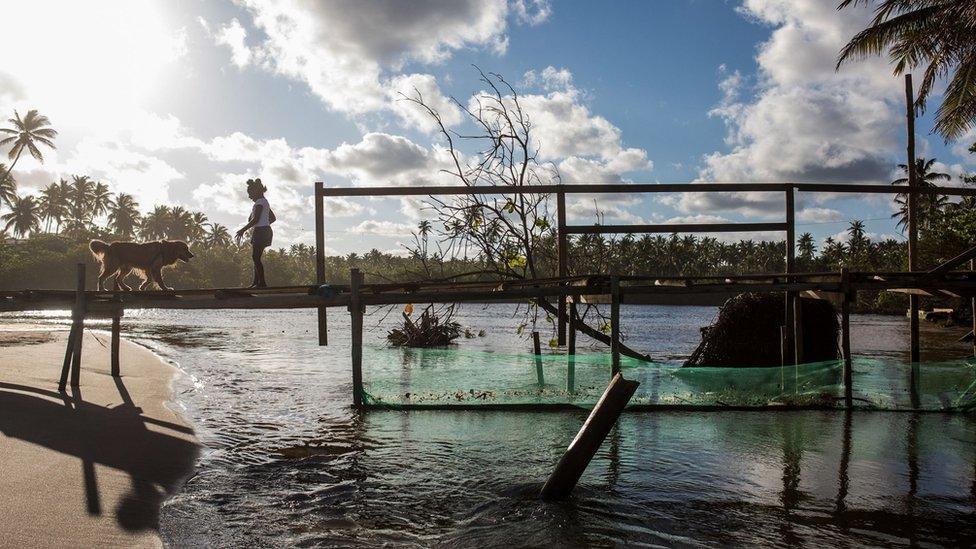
[[676, 228], [615, 188]]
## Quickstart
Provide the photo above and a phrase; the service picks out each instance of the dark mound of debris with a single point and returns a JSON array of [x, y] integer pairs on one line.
[[747, 332]]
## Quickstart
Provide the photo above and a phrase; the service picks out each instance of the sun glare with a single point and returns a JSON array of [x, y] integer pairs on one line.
[[94, 63]]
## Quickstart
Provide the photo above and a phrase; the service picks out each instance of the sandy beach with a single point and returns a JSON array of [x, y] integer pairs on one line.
[[90, 467]]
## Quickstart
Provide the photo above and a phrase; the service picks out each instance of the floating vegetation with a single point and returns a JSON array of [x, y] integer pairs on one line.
[[433, 329]]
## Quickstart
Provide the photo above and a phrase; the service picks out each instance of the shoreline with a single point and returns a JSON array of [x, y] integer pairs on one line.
[[92, 466]]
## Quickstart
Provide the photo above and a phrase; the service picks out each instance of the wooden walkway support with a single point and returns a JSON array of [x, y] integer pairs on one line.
[[72, 353], [913, 307], [603, 417], [614, 325], [571, 349], [116, 336], [356, 310], [845, 338], [537, 350], [322, 312]]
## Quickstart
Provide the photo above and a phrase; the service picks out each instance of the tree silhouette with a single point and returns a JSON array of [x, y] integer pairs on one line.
[[123, 216], [929, 205], [53, 206], [935, 33], [8, 186], [24, 216], [26, 133], [156, 224]]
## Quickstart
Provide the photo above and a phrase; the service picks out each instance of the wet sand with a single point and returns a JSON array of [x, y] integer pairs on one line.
[[89, 467]]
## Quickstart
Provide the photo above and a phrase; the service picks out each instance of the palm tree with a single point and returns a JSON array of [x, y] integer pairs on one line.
[[80, 195], [123, 215], [26, 133], [53, 206], [8, 187], [197, 226], [935, 33], [179, 223], [217, 236], [101, 200], [928, 204], [155, 225], [24, 216], [807, 248]]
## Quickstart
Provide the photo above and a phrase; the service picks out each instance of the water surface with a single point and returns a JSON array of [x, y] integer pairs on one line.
[[287, 462]]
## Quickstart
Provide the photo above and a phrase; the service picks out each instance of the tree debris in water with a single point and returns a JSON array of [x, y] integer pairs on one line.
[[433, 329]]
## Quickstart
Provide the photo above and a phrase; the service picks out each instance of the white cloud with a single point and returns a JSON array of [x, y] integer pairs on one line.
[[381, 227], [415, 116], [819, 215], [233, 35], [341, 207], [531, 12], [343, 50], [807, 121]]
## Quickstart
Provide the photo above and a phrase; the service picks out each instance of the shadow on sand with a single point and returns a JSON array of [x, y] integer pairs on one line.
[[116, 437]]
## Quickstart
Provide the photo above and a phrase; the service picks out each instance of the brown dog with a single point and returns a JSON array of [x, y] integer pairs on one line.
[[148, 259]]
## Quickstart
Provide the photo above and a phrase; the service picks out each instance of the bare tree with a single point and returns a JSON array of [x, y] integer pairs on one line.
[[512, 235]]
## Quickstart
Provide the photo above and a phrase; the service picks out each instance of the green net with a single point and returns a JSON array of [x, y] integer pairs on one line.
[[443, 377]]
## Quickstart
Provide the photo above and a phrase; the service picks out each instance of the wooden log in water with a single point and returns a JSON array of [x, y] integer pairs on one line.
[[603, 417]]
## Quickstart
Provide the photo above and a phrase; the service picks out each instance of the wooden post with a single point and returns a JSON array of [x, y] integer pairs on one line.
[[323, 321], [562, 243], [915, 354], [792, 356], [537, 349], [603, 417], [571, 372], [972, 305], [79, 322], [845, 338], [614, 325], [116, 334], [356, 313], [912, 218], [68, 352]]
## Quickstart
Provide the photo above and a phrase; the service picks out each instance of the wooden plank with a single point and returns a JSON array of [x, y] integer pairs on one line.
[[676, 228], [356, 312], [586, 443]]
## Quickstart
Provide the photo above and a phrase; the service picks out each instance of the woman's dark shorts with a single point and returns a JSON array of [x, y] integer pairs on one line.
[[261, 237]]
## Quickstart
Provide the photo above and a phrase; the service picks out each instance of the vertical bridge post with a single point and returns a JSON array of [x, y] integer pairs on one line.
[[912, 238], [614, 325], [845, 337], [791, 345], [116, 335], [72, 351], [562, 243], [323, 322], [356, 315]]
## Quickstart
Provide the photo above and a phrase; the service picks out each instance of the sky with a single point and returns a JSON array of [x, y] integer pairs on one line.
[[180, 102]]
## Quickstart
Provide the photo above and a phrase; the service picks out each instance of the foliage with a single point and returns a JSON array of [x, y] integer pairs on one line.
[[429, 331], [935, 33]]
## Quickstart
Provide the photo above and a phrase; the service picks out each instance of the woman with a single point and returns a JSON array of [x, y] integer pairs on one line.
[[261, 219]]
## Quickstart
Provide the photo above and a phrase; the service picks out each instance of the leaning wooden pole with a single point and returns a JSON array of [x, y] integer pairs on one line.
[[356, 314], [603, 417], [845, 337], [562, 245], [323, 322], [912, 238], [79, 323]]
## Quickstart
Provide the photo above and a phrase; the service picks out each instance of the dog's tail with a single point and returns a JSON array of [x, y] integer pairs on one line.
[[98, 247]]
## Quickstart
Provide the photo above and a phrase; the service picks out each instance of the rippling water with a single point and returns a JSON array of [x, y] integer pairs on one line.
[[287, 462]]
